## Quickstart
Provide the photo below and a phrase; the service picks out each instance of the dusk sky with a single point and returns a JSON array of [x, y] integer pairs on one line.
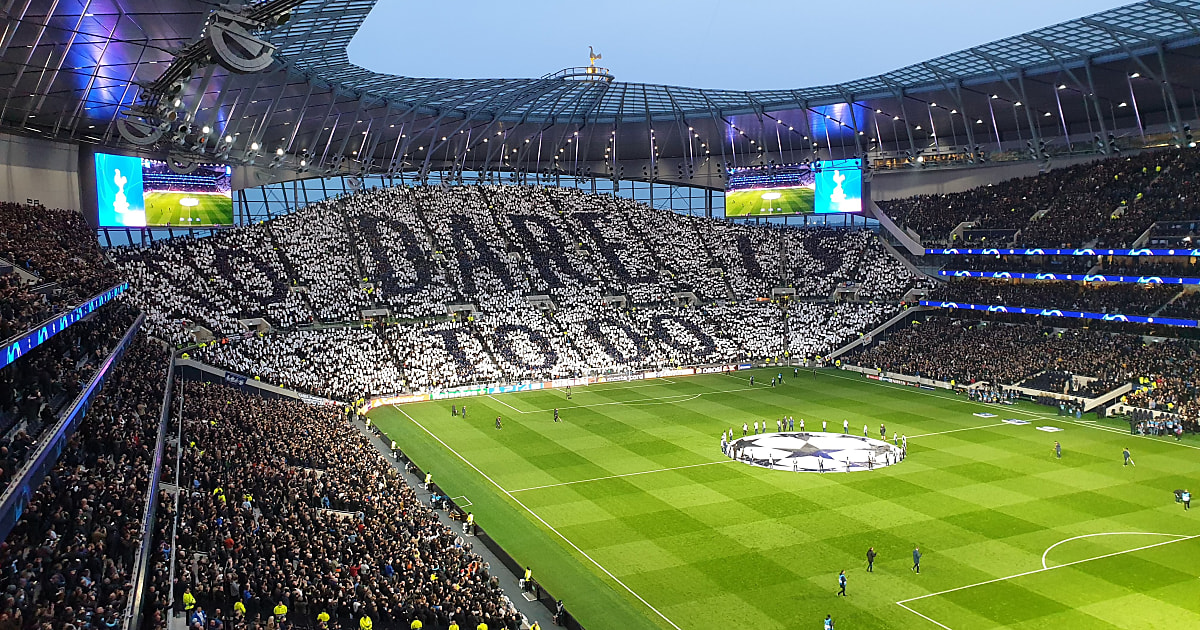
[[744, 45]]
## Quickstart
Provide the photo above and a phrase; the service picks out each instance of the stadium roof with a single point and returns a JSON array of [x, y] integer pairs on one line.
[[318, 41], [75, 68]]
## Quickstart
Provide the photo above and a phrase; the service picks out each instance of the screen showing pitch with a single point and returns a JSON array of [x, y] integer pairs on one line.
[[827, 187], [774, 191], [134, 192]]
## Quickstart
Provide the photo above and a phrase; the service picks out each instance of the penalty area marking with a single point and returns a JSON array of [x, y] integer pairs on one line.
[[540, 519], [462, 501], [1044, 568], [1051, 547]]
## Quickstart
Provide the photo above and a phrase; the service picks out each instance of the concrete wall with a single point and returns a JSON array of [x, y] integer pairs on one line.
[[33, 168]]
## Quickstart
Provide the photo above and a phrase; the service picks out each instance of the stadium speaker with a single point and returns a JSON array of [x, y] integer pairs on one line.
[[234, 44], [138, 126], [181, 165]]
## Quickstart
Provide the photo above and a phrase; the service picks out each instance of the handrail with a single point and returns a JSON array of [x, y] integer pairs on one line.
[[141, 563], [20, 491], [582, 73], [17, 345]]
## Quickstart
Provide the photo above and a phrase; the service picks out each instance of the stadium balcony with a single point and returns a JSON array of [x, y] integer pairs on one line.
[[1115, 202]]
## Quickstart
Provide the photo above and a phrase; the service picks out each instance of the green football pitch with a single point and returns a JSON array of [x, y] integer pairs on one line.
[[168, 207], [739, 203], [629, 512]]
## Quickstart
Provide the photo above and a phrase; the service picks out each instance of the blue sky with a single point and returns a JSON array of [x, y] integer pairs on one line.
[[743, 45]]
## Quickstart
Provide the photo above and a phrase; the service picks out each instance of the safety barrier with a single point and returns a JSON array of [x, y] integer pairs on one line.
[[46, 454]]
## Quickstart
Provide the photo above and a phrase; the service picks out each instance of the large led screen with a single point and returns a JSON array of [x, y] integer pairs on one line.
[[827, 187], [765, 192], [134, 192], [119, 191], [839, 186]]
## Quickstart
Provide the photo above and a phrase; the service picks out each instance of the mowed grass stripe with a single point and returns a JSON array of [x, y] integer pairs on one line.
[[1151, 572], [732, 542]]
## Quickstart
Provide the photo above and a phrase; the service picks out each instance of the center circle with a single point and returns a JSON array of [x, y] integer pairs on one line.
[[813, 452]]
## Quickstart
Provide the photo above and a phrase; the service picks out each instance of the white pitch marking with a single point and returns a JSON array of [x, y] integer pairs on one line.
[[460, 501], [632, 474], [998, 424], [1057, 566], [506, 404], [1022, 412], [929, 619], [1051, 547], [656, 400], [540, 519]]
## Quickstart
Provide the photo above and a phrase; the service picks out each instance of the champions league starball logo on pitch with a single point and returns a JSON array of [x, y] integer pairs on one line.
[[813, 452]]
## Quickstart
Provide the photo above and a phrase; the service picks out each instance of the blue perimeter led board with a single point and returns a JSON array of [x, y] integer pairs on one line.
[[37, 336], [1069, 277], [1049, 312], [1067, 252]]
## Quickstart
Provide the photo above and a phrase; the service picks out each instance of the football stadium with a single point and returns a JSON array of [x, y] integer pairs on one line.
[[297, 341]]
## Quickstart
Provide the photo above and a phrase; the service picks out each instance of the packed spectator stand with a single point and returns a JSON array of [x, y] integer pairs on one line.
[[60, 251], [685, 287], [36, 388], [69, 560], [286, 503], [965, 352], [1123, 298], [1109, 202]]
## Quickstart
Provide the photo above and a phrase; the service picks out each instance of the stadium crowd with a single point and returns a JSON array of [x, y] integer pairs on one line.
[[68, 561], [688, 284], [38, 385], [964, 352], [1104, 203], [413, 251], [56, 246], [348, 363], [288, 504], [1123, 298]]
